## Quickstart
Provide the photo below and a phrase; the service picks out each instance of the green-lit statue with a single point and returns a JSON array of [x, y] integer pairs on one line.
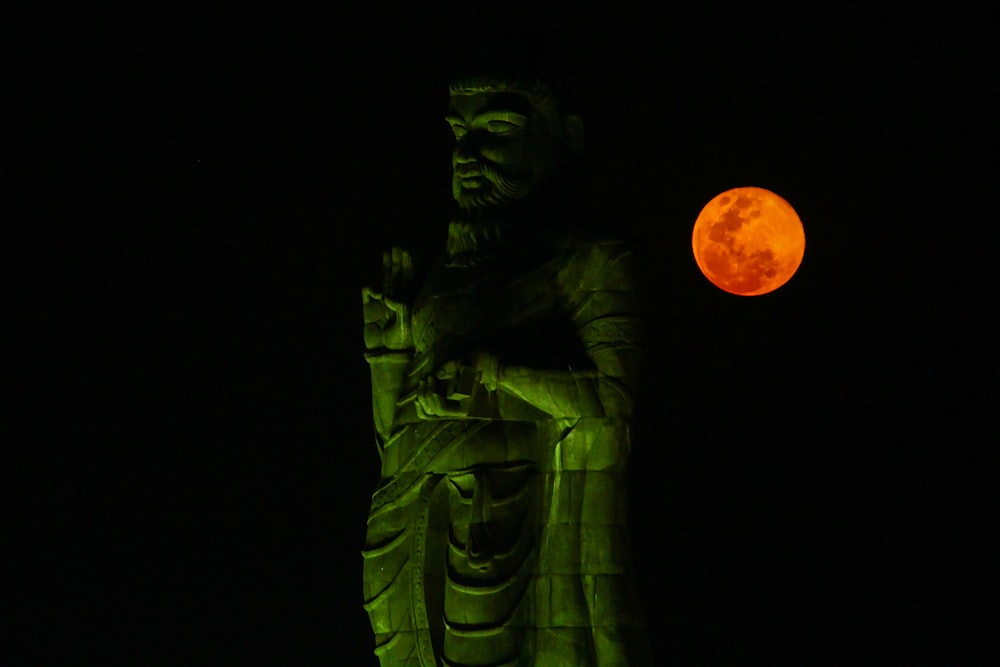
[[502, 391]]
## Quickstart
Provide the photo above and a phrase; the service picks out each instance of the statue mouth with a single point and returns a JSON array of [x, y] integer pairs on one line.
[[465, 171], [470, 179], [473, 183]]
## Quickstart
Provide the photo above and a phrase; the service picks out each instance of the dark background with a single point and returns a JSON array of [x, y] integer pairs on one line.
[[206, 193]]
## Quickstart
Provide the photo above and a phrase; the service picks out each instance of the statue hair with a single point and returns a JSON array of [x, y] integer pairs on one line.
[[541, 96]]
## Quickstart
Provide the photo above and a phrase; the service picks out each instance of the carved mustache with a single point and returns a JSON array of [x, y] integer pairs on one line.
[[490, 171], [505, 187]]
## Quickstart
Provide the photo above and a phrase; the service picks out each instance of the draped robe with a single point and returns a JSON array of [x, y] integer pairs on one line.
[[500, 537]]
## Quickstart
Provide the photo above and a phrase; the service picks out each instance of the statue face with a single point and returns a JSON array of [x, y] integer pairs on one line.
[[504, 148]]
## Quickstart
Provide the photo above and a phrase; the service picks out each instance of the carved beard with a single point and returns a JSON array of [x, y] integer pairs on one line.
[[503, 188]]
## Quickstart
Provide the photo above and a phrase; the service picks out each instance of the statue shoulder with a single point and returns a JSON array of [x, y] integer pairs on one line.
[[600, 263]]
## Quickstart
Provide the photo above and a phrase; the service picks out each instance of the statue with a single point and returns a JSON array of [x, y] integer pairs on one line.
[[502, 390]]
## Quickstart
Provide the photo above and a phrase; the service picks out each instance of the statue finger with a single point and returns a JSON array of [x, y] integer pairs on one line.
[[425, 404], [451, 409], [373, 336], [368, 295], [375, 310], [448, 370], [392, 264], [397, 269], [387, 272], [397, 307], [433, 403], [407, 268]]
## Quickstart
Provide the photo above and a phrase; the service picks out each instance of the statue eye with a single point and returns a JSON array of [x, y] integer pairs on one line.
[[458, 130], [497, 126]]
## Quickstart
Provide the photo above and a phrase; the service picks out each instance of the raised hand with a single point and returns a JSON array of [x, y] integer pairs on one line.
[[387, 319]]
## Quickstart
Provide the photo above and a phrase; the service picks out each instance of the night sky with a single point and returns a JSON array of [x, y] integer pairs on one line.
[[206, 193]]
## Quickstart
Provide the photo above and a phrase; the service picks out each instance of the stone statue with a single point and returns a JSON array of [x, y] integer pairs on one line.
[[502, 386]]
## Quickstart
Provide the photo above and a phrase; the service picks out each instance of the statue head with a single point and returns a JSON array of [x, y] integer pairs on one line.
[[511, 139]]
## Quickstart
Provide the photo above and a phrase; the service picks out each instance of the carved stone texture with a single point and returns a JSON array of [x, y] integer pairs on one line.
[[501, 392]]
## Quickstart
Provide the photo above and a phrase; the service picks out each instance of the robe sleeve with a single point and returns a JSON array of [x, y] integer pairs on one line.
[[597, 294]]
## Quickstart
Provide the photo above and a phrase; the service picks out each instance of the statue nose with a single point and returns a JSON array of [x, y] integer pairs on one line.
[[468, 148], [464, 156]]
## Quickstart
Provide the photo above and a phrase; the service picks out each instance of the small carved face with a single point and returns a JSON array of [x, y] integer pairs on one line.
[[504, 148]]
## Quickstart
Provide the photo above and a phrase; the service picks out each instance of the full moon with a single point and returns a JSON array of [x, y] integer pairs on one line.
[[748, 241]]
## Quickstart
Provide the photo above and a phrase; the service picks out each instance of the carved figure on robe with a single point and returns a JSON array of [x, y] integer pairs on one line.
[[502, 383]]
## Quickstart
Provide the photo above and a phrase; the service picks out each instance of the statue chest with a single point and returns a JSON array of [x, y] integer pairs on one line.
[[451, 306], [460, 310]]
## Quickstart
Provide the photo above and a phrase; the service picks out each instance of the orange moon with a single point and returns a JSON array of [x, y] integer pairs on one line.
[[748, 241]]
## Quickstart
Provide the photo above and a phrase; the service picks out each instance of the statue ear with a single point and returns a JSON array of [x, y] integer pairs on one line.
[[573, 134]]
